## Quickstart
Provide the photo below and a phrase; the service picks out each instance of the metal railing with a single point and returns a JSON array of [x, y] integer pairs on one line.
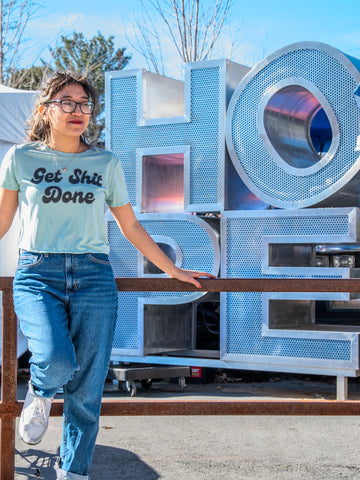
[[10, 408]]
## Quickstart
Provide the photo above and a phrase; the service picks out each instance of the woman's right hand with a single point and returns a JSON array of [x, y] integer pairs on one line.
[[190, 276]]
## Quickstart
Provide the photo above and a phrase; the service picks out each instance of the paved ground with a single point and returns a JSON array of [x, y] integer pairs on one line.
[[214, 447]]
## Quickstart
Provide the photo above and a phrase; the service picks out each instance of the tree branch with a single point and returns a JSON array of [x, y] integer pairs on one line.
[[193, 27]]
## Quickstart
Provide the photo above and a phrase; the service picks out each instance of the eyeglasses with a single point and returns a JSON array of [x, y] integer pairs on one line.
[[69, 106]]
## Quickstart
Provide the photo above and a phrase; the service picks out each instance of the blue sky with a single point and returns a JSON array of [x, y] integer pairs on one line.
[[260, 27]]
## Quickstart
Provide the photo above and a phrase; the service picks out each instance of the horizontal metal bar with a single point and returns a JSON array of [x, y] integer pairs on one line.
[[229, 285], [241, 285], [231, 407], [187, 406]]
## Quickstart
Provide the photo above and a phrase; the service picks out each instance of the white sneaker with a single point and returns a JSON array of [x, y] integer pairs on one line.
[[34, 418], [62, 475]]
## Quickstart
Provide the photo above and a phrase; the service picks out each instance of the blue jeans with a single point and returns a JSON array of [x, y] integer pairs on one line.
[[67, 305]]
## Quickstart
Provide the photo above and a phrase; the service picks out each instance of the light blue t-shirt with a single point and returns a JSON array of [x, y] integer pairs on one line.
[[63, 212]]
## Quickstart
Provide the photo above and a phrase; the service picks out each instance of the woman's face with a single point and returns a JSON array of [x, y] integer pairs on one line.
[[67, 125]]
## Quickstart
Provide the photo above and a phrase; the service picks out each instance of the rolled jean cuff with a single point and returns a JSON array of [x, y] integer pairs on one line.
[[34, 393], [62, 474]]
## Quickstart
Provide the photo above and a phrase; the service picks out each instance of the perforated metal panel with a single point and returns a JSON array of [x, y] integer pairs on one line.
[[329, 76], [246, 335], [202, 129], [195, 244], [262, 145]]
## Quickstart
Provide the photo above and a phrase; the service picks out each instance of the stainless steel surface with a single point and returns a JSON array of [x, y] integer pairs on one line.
[[291, 314], [162, 183], [297, 126], [246, 334], [285, 255], [145, 372], [162, 96], [168, 328], [150, 321], [297, 145], [291, 133], [158, 116]]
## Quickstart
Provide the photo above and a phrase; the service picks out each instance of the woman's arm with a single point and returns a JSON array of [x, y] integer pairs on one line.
[[137, 235], [8, 205]]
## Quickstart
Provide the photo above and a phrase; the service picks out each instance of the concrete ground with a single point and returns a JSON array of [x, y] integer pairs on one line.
[[214, 447]]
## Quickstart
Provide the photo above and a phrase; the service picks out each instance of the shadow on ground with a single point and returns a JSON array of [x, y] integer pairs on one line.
[[108, 462]]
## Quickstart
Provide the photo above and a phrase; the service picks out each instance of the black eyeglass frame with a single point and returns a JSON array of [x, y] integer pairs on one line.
[[88, 103]]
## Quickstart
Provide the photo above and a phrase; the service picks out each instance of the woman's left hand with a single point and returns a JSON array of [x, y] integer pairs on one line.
[[190, 276], [137, 235]]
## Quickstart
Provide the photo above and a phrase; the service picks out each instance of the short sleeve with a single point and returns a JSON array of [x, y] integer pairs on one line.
[[8, 178], [117, 191]]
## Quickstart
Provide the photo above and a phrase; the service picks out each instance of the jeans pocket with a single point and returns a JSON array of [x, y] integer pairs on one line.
[[102, 258], [30, 259]]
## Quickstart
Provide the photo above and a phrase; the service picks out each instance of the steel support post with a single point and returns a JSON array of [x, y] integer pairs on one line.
[[8, 387], [341, 388]]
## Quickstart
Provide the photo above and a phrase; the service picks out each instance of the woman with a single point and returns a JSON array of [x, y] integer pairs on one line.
[[64, 290]]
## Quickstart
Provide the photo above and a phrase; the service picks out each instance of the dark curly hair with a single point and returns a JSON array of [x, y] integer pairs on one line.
[[38, 129]]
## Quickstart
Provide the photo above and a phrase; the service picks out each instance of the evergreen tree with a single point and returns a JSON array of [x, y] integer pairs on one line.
[[29, 78], [94, 57], [77, 54]]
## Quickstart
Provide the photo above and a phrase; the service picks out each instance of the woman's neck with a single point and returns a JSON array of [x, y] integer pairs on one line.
[[67, 145]]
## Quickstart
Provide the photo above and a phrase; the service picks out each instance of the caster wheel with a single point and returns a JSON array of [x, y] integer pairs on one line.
[[182, 383], [146, 383], [130, 388]]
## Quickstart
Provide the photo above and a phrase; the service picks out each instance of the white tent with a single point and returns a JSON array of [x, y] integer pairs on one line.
[[15, 108]]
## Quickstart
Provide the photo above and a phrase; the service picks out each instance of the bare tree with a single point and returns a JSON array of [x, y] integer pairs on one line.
[[193, 27], [14, 17]]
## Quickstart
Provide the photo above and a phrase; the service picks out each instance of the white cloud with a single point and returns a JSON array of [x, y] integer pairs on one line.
[[45, 31], [55, 25]]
